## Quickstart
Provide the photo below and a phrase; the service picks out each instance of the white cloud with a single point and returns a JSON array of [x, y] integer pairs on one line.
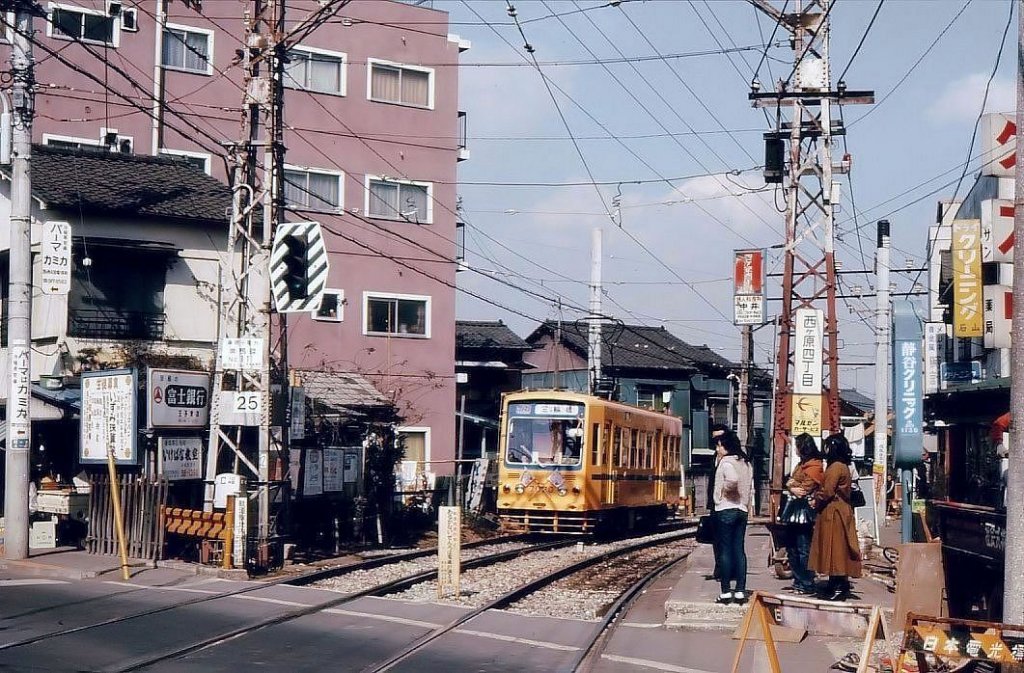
[[961, 98]]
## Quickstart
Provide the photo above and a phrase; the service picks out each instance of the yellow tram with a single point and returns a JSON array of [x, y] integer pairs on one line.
[[573, 463]]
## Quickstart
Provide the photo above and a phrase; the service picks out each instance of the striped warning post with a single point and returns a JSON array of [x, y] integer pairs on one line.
[[317, 267]]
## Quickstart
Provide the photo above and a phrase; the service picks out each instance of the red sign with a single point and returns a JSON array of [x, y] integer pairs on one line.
[[748, 272]]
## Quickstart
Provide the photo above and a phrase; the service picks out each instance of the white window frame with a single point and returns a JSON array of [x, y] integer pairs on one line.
[[207, 158], [291, 84], [426, 299], [315, 313], [429, 219], [340, 175], [425, 429], [133, 12], [209, 49], [115, 30], [370, 62], [49, 138]]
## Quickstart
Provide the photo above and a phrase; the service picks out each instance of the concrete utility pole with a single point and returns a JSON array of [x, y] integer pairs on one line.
[[19, 313], [594, 332], [883, 318], [803, 103], [254, 436], [1013, 587]]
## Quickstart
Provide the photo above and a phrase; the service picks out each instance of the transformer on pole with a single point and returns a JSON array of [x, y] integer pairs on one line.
[[803, 111]]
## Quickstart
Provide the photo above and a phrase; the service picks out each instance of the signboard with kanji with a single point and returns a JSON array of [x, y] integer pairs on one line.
[[19, 421], [449, 548], [907, 385], [109, 418], [55, 258], [806, 415], [997, 230], [313, 472], [967, 294], [748, 287], [999, 144], [807, 354], [955, 642], [180, 458], [244, 354], [177, 398], [748, 309], [998, 310]]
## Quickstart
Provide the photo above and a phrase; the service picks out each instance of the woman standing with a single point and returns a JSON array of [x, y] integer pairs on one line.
[[733, 492], [834, 548], [802, 486]]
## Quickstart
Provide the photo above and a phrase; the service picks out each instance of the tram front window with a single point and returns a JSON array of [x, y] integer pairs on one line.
[[545, 441]]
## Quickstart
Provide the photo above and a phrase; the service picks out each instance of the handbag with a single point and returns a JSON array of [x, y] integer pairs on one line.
[[857, 498], [706, 529], [797, 511]]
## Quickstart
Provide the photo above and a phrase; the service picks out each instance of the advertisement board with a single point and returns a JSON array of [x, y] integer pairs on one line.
[[967, 293], [748, 287], [180, 458], [109, 418], [907, 385], [999, 144], [809, 332], [177, 398]]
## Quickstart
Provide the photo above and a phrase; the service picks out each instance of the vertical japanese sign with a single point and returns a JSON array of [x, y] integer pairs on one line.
[[748, 287], [997, 231], [934, 334], [809, 332], [908, 439], [967, 293], [19, 422], [313, 475], [999, 144], [998, 315], [109, 419], [297, 416], [55, 255], [244, 354], [449, 548]]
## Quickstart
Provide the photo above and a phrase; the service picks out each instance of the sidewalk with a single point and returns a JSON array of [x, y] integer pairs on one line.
[[69, 563]]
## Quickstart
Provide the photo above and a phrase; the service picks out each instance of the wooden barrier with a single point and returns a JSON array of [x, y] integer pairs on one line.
[[194, 523], [141, 501]]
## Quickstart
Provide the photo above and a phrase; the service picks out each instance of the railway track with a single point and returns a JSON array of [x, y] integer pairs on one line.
[[509, 598]]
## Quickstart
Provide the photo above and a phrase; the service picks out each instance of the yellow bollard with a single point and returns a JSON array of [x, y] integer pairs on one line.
[[229, 534], [115, 497]]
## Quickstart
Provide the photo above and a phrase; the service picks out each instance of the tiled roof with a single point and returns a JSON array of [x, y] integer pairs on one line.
[[487, 334], [341, 391], [127, 184], [637, 347], [857, 400]]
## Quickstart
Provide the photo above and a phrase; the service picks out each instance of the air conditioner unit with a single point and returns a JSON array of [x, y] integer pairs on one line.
[[125, 145]]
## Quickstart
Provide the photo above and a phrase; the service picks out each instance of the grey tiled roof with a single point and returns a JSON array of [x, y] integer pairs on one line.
[[638, 347], [857, 399], [127, 184], [341, 391], [487, 334]]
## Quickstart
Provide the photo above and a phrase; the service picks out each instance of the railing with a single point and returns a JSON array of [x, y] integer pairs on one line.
[[115, 324]]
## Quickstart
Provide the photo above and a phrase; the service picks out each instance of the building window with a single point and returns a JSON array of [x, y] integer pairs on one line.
[[401, 84], [315, 70], [332, 307], [188, 49], [416, 443], [83, 24], [399, 200], [396, 315], [312, 189], [199, 160]]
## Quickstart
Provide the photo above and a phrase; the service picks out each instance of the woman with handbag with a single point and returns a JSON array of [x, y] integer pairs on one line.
[[834, 548], [734, 489], [799, 513]]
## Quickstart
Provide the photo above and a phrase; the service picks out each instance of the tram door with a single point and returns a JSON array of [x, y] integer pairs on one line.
[[659, 465], [612, 444]]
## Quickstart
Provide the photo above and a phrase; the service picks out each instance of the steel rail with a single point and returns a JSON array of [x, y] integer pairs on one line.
[[518, 593]]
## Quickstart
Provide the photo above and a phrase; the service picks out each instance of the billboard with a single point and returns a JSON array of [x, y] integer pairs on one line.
[[809, 332], [998, 315], [999, 144], [109, 417], [967, 293], [748, 287], [997, 230], [907, 385]]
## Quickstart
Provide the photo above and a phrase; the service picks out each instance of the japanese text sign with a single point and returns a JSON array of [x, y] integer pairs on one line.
[[999, 144], [109, 416], [806, 415], [181, 458], [998, 309], [907, 385], [19, 422], [748, 287], [957, 641], [55, 258], [177, 398], [809, 332], [967, 293], [997, 231], [242, 354]]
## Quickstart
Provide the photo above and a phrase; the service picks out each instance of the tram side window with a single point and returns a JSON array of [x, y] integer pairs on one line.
[[627, 447], [634, 447], [606, 444], [617, 451], [650, 451], [595, 448]]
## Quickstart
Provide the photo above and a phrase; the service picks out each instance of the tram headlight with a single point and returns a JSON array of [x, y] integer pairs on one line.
[[520, 489], [576, 490], [506, 488], [562, 491]]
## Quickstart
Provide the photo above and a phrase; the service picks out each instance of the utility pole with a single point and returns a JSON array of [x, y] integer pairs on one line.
[[745, 424], [1013, 587], [883, 318], [594, 331], [256, 439], [803, 104], [19, 312]]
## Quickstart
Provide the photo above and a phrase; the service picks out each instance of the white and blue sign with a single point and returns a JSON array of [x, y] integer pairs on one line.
[[907, 385]]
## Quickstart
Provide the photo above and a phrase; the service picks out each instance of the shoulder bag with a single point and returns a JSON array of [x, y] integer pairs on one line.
[[797, 511], [856, 495], [706, 529]]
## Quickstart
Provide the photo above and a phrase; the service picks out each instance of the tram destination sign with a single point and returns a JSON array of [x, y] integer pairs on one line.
[[547, 409]]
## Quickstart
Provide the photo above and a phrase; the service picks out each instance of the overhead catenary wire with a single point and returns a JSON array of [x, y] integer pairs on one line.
[[863, 38]]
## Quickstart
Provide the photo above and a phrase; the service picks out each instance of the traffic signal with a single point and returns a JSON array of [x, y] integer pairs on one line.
[[296, 265]]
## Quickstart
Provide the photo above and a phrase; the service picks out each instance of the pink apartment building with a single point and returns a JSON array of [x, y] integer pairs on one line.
[[373, 136]]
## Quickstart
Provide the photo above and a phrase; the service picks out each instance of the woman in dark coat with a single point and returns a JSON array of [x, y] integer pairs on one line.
[[834, 548]]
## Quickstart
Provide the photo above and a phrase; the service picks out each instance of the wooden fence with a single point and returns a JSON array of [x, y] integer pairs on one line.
[[141, 501]]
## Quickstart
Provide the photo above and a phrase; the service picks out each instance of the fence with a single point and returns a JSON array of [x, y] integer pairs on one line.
[[141, 501]]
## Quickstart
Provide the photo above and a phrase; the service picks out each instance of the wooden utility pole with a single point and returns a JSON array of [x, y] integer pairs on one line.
[[803, 105], [745, 424], [1013, 587]]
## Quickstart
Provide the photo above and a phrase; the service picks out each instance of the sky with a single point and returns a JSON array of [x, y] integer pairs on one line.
[[667, 256]]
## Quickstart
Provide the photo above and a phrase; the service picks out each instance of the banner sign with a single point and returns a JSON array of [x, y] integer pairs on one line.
[[998, 315], [313, 474], [55, 254], [19, 424], [967, 294], [999, 144], [907, 384], [177, 398], [109, 416], [810, 330], [748, 287]]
